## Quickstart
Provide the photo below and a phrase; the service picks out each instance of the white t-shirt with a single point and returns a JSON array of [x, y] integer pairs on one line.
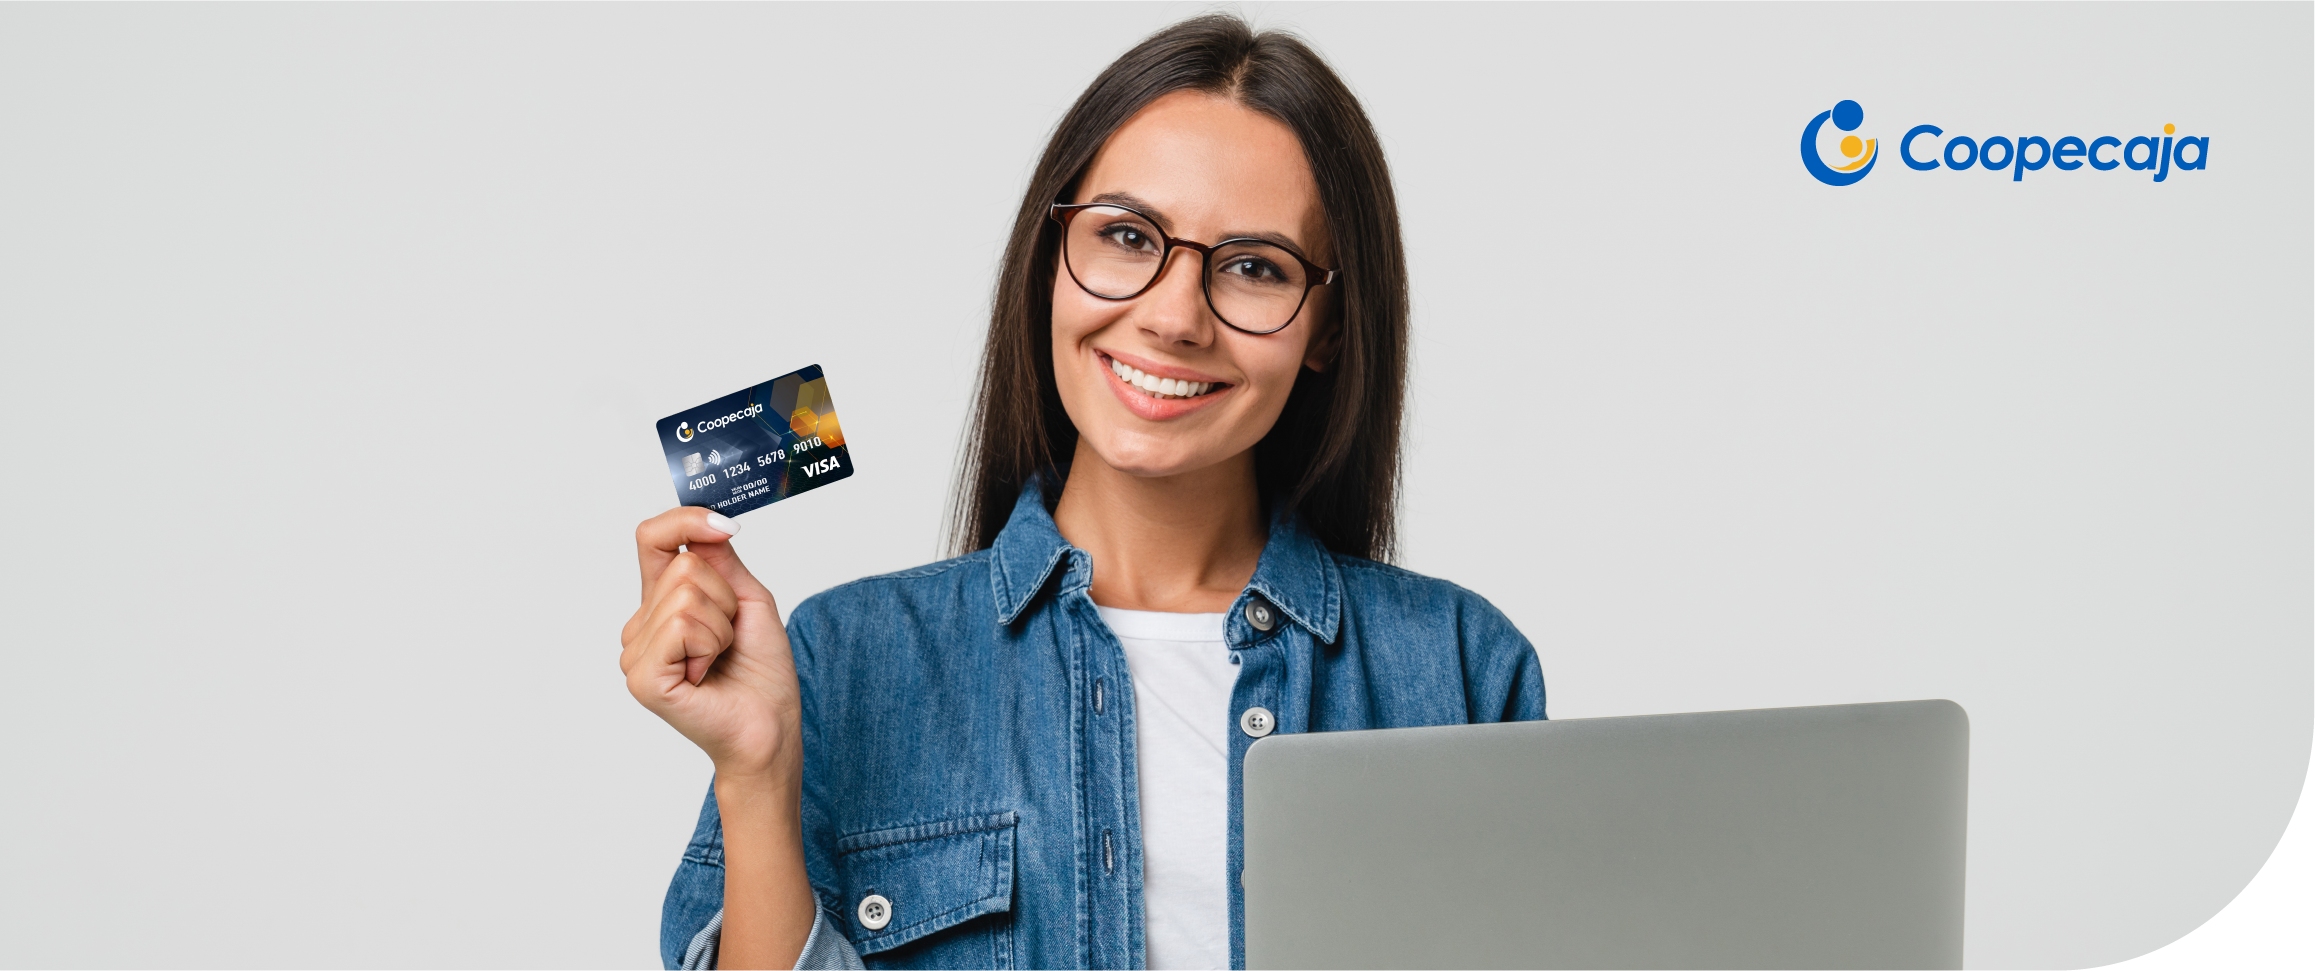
[[1182, 676]]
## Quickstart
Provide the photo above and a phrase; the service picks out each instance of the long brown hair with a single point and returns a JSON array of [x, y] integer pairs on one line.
[[1333, 456]]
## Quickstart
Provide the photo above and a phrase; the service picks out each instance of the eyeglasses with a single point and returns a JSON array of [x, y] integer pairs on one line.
[[1117, 253]]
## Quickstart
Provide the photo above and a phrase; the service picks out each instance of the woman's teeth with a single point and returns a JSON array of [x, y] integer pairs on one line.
[[1158, 387]]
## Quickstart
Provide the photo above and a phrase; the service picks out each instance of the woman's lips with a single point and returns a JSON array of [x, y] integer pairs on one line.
[[1169, 394]]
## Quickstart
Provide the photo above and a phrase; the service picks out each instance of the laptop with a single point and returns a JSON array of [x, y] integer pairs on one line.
[[1826, 837]]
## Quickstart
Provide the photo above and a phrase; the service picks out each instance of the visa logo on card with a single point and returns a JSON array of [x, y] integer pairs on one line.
[[758, 446]]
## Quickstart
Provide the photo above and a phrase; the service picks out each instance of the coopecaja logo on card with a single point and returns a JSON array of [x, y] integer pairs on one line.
[[1927, 148]]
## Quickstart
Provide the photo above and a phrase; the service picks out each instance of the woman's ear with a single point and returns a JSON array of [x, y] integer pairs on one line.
[[1320, 354]]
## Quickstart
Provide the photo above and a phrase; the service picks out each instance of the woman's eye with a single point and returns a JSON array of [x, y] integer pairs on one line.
[[1255, 269], [1129, 237]]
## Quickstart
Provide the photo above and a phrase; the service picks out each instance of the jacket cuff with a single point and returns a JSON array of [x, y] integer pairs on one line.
[[825, 950]]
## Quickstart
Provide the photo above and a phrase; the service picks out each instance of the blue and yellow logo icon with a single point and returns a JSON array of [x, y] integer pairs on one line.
[[683, 432], [1860, 153]]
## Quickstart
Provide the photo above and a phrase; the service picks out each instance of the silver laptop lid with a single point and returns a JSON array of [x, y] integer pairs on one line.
[[1778, 838]]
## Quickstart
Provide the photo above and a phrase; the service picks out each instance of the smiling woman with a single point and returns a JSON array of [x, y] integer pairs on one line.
[[1179, 482], [1249, 107]]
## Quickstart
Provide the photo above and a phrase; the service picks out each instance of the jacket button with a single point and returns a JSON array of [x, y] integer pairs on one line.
[[875, 911], [1259, 614], [1257, 722]]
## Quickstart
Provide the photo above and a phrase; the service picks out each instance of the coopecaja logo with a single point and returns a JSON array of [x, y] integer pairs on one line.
[[1845, 116], [1925, 148], [712, 424]]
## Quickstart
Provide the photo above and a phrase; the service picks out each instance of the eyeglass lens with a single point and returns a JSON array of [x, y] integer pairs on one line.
[[1115, 253]]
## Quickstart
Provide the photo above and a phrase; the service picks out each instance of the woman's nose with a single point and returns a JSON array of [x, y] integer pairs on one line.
[[1174, 310]]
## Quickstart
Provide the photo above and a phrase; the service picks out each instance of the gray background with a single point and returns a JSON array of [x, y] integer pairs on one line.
[[285, 291]]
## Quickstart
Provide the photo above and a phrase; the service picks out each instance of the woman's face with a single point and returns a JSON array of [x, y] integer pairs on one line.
[[1206, 169]]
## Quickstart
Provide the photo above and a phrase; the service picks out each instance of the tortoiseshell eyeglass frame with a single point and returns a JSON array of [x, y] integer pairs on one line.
[[1315, 276]]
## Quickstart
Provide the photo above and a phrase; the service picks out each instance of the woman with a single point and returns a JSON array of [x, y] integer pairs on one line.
[[1180, 476]]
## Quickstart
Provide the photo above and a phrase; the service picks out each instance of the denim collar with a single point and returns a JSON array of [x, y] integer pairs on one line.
[[1296, 572]]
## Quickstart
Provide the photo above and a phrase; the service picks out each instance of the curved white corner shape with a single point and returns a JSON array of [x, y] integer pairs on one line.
[[2268, 924]]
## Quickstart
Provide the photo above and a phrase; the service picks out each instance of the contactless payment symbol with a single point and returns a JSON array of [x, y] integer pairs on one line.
[[1858, 154]]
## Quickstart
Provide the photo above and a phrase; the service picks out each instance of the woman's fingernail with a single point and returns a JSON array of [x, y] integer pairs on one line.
[[719, 521]]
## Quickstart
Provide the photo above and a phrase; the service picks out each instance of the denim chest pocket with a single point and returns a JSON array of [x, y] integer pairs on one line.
[[946, 892]]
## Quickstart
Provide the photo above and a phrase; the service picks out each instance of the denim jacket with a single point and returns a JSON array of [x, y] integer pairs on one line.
[[968, 732]]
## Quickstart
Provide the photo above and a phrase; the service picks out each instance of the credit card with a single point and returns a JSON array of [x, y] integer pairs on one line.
[[756, 447]]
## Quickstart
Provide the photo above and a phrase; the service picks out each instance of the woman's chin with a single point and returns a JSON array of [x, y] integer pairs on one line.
[[1155, 467], [1155, 459]]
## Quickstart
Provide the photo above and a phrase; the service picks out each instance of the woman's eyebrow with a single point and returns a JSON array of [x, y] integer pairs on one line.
[[1130, 200], [1279, 240]]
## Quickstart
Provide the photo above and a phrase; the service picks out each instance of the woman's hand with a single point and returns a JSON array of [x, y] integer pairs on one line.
[[707, 653], [706, 650]]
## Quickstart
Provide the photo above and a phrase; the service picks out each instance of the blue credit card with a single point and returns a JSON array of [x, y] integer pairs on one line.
[[758, 446]]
